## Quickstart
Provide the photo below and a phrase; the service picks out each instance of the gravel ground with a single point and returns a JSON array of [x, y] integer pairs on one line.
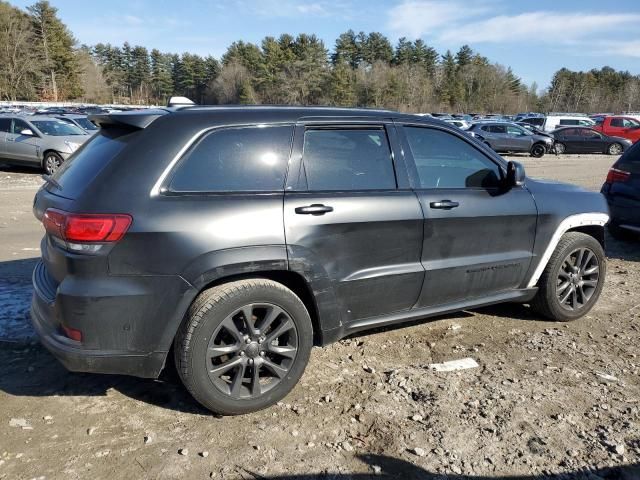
[[547, 400]]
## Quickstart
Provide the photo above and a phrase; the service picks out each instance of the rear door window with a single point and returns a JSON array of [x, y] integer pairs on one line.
[[348, 159], [5, 125], [236, 159]]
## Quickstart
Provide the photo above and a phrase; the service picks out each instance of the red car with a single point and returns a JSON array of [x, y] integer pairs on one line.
[[618, 126]]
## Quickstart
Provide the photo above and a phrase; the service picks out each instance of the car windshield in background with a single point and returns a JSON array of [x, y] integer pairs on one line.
[[86, 123], [57, 128]]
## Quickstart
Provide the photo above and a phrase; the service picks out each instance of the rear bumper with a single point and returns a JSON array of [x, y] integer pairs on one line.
[[49, 310]]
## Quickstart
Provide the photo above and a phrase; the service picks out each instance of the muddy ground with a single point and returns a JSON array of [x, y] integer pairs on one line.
[[547, 400]]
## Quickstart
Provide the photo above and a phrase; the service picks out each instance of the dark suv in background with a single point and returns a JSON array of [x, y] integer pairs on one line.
[[240, 237]]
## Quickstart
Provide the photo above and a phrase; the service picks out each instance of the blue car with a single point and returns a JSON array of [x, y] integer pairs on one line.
[[622, 190]]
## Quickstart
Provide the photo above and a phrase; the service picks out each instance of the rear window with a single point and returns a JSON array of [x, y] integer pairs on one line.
[[630, 161], [86, 163], [246, 159]]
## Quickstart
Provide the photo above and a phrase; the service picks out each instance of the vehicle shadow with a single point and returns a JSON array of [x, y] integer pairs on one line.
[[31, 371], [390, 467], [4, 167], [628, 249]]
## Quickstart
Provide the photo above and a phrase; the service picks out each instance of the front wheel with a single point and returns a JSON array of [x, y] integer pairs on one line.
[[573, 278], [538, 150], [614, 149], [243, 345], [51, 162]]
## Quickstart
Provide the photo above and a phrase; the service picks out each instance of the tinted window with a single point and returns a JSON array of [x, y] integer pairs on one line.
[[445, 161], [569, 122], [498, 129], [589, 134], [348, 159], [84, 165], [5, 124], [19, 125], [630, 161], [236, 159]]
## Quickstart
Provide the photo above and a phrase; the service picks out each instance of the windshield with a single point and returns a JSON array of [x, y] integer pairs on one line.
[[57, 128], [85, 123]]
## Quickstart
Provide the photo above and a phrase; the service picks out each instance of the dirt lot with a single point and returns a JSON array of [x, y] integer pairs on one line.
[[547, 400]]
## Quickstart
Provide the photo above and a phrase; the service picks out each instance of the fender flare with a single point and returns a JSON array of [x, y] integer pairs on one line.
[[573, 221]]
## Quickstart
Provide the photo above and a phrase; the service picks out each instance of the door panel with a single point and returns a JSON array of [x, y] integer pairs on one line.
[[478, 235], [23, 148], [369, 247], [366, 237], [483, 246]]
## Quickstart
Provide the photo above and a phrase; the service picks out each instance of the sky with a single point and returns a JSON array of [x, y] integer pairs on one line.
[[535, 38]]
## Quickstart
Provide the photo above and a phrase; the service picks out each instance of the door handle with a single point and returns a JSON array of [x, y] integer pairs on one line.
[[444, 204], [314, 209]]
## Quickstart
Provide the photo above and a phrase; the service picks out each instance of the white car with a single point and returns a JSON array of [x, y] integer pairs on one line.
[[462, 124], [555, 121]]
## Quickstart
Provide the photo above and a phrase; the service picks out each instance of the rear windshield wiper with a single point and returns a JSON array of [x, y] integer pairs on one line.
[[52, 181]]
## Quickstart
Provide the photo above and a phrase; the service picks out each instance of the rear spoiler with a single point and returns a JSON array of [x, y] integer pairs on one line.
[[136, 120]]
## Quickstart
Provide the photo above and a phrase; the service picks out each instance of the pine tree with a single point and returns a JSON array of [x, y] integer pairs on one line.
[[59, 61]]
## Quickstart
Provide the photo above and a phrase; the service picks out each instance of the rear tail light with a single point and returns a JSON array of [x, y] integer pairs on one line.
[[616, 175], [86, 228]]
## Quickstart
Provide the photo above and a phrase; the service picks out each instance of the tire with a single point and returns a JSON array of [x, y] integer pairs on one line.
[[51, 162], [538, 150], [614, 149], [559, 148], [547, 301], [216, 323]]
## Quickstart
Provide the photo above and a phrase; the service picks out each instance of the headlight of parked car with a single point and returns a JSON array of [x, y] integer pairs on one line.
[[73, 146]]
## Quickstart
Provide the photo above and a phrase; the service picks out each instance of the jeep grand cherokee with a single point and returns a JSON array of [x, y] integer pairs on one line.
[[239, 237]]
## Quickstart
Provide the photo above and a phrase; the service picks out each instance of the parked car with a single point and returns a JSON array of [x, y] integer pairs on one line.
[[619, 126], [509, 137], [622, 191], [534, 129], [588, 140], [79, 121], [239, 237], [552, 121], [38, 141]]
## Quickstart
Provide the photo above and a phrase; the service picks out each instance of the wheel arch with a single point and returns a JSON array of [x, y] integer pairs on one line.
[[592, 224], [292, 280]]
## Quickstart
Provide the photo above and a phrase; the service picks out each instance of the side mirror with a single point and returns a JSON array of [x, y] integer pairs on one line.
[[27, 131], [515, 174]]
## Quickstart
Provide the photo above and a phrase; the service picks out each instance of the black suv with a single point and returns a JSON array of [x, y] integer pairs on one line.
[[238, 237]]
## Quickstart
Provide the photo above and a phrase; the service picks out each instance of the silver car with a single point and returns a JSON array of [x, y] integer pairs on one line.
[[509, 137], [38, 141]]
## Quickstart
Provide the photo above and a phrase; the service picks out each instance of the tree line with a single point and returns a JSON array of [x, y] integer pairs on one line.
[[41, 60]]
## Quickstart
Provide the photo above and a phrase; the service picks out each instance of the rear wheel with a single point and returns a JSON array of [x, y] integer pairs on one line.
[[538, 150], [51, 162], [573, 278], [614, 149], [243, 345], [559, 148]]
